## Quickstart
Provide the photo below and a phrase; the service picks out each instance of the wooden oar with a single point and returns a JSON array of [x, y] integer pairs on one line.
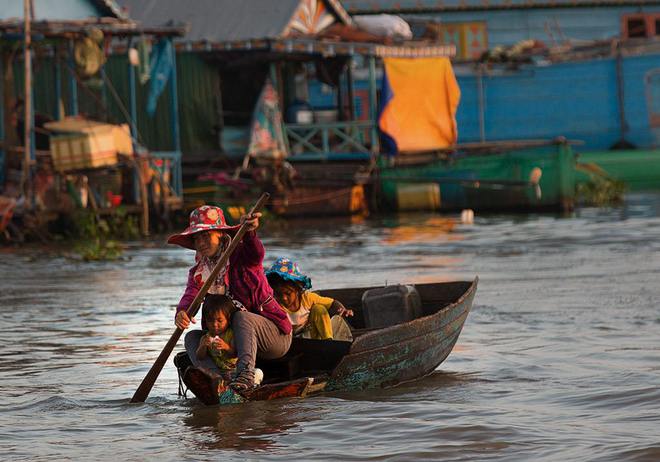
[[148, 382]]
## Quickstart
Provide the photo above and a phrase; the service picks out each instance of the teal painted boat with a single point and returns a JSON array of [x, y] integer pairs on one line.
[[400, 333], [521, 175], [638, 169]]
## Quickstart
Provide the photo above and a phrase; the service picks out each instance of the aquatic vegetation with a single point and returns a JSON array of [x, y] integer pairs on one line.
[[600, 190], [98, 236]]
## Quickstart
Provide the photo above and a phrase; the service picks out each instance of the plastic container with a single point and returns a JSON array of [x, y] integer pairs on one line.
[[420, 196], [325, 116], [84, 150], [391, 305], [299, 112]]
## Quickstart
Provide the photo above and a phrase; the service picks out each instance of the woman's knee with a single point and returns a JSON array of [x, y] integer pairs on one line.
[[240, 320]]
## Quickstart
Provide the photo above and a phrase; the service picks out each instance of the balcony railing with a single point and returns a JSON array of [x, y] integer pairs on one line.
[[353, 137]]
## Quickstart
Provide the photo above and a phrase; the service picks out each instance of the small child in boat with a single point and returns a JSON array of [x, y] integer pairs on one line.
[[309, 312], [218, 340]]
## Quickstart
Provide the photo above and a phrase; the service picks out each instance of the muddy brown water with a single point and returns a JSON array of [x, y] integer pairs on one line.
[[559, 359]]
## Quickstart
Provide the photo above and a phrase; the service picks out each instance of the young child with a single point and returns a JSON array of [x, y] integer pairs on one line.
[[218, 341], [308, 312]]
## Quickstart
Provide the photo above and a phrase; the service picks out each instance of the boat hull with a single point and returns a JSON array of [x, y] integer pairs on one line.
[[481, 180], [397, 354]]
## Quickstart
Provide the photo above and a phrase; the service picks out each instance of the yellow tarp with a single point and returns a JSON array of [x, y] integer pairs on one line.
[[421, 114]]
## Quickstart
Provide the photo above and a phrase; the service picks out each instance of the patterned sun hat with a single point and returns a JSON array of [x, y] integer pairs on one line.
[[204, 218], [290, 271]]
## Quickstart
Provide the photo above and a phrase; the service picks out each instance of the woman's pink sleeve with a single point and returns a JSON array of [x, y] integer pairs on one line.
[[251, 250], [192, 289]]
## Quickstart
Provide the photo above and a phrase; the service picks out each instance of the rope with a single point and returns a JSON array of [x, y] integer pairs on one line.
[[183, 390], [122, 108], [318, 197]]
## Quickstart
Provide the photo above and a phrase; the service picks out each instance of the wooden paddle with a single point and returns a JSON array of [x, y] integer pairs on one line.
[[148, 382]]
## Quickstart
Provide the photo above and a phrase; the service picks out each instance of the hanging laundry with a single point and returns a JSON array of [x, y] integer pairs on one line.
[[163, 63], [266, 138], [144, 64], [418, 104]]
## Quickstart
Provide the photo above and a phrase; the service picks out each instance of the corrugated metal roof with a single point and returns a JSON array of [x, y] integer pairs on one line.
[[415, 6], [217, 20], [61, 10]]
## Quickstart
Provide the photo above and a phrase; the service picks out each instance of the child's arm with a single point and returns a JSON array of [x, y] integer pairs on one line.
[[333, 306], [203, 348], [338, 308], [231, 351], [228, 347]]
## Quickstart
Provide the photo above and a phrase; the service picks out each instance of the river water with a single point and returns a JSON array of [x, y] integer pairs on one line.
[[559, 359]]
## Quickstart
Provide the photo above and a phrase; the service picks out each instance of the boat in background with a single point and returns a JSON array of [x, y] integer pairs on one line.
[[520, 175]]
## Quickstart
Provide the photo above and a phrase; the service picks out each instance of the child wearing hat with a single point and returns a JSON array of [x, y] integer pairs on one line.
[[261, 327], [308, 312]]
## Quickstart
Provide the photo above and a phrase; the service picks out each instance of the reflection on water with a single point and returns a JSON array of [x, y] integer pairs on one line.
[[558, 360], [250, 427], [431, 230]]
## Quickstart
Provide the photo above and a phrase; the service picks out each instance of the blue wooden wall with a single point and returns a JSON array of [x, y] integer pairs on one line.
[[509, 21], [506, 27], [575, 100]]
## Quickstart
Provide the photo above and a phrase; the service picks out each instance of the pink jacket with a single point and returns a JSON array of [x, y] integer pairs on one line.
[[247, 283]]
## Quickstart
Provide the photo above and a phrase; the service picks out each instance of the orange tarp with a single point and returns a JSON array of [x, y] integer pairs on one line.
[[421, 114]]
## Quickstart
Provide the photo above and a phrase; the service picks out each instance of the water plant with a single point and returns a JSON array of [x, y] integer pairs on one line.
[[600, 190], [97, 236]]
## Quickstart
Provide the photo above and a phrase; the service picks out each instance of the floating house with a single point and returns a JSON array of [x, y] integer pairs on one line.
[[587, 71], [69, 141], [265, 54]]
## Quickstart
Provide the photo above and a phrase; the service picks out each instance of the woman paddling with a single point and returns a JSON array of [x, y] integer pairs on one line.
[[261, 327]]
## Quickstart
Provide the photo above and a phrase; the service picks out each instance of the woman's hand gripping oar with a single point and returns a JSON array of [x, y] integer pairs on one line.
[[148, 382]]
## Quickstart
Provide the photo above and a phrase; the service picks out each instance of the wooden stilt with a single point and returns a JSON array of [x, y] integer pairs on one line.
[[144, 201]]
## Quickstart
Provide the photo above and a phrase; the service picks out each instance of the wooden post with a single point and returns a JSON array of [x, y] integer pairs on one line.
[[132, 100], [481, 103], [73, 83], [27, 123], [2, 120], [373, 105], [58, 84], [144, 197], [176, 178], [620, 94], [340, 101], [351, 89]]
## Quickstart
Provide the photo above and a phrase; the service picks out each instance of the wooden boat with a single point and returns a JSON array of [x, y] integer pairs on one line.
[[503, 175], [305, 201], [377, 357]]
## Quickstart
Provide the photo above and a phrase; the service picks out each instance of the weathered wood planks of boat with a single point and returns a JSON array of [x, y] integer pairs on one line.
[[407, 344]]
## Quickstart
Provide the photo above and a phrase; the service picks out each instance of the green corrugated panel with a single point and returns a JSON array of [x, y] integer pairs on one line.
[[198, 86], [197, 90], [198, 99]]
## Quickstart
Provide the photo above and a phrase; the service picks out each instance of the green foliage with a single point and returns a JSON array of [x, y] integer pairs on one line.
[[601, 192], [98, 249], [98, 235]]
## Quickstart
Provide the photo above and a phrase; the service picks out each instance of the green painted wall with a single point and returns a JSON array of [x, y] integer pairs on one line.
[[197, 83]]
